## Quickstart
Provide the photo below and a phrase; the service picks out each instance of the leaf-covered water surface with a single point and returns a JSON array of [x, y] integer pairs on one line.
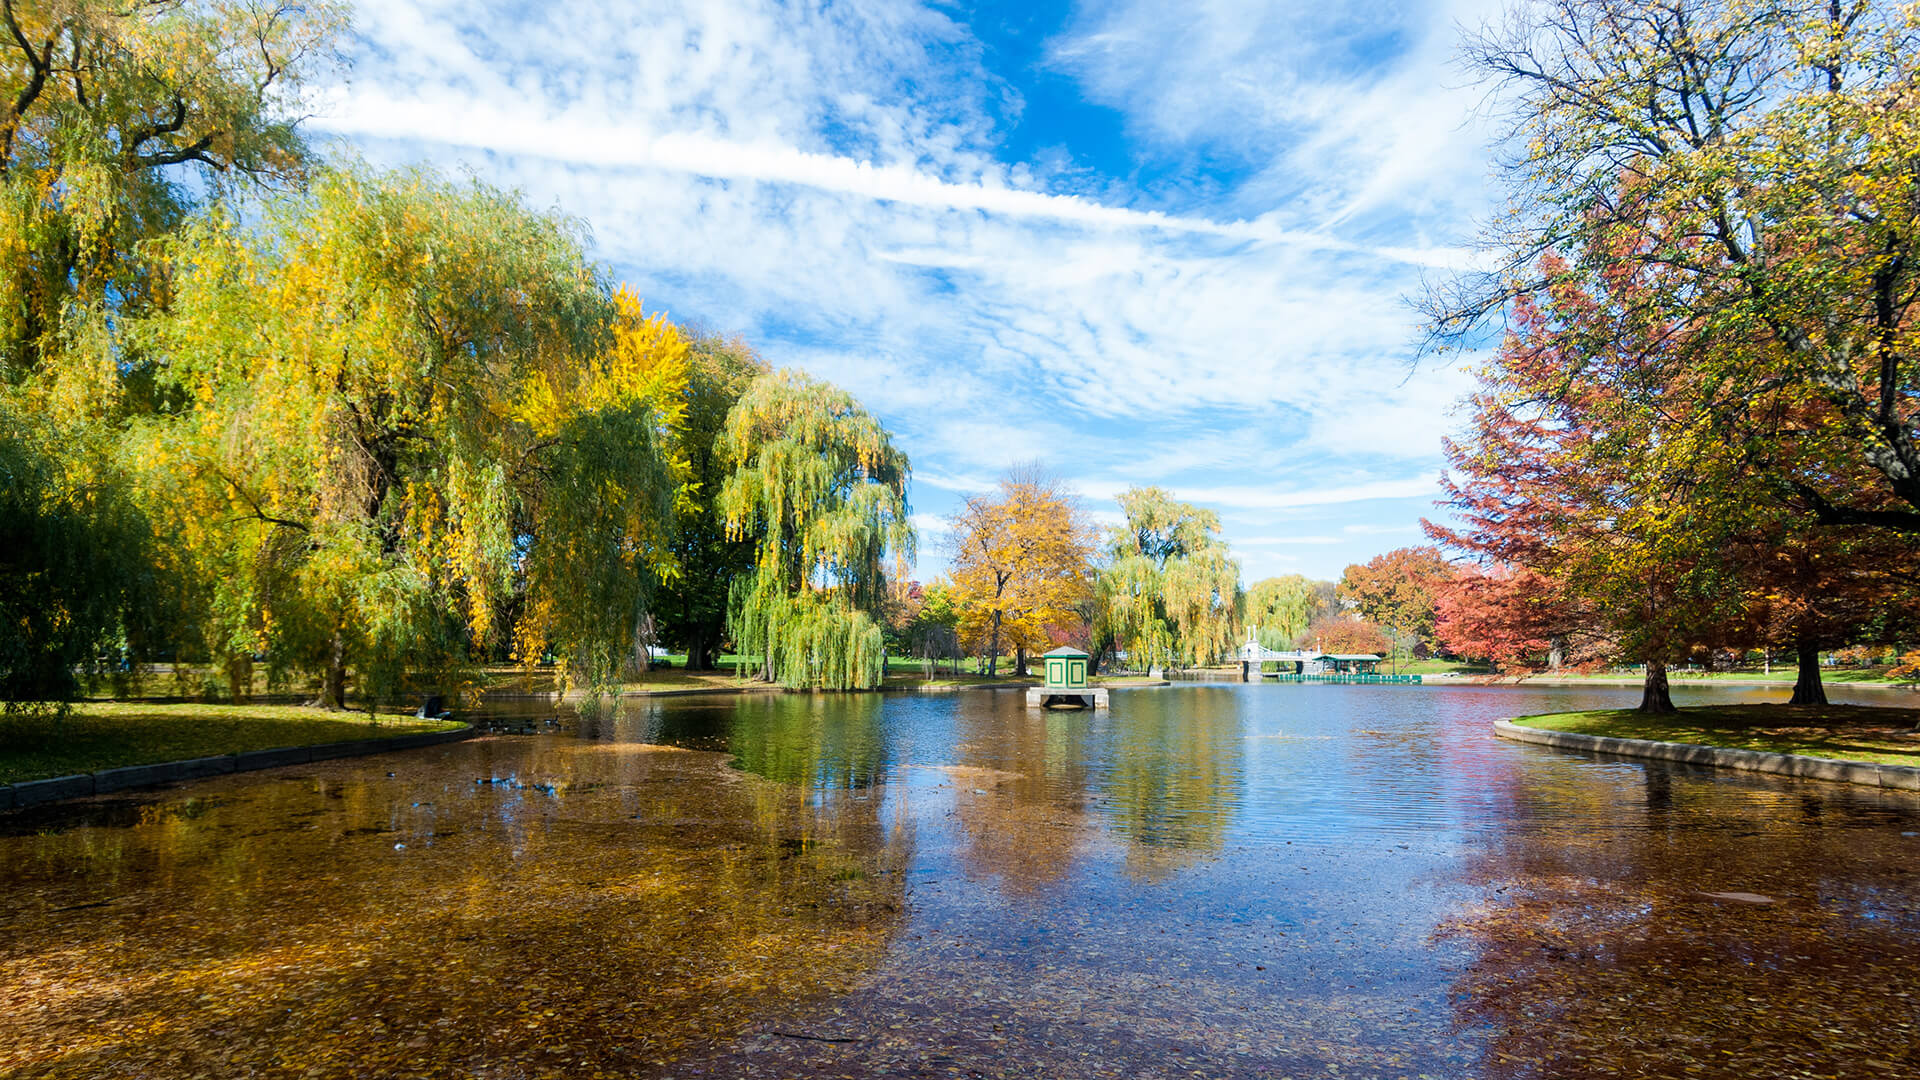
[[1215, 881], [534, 907]]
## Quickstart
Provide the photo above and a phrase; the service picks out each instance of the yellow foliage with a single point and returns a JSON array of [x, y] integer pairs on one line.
[[1021, 564]]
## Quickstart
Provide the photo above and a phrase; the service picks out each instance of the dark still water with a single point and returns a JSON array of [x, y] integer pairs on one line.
[[1208, 880]]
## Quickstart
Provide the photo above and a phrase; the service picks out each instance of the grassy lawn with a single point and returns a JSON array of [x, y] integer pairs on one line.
[[1851, 732], [1438, 667], [1782, 673], [898, 679], [107, 735]]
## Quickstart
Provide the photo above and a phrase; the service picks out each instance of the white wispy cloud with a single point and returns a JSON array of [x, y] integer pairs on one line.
[[830, 180], [930, 525], [578, 139], [1284, 541], [1251, 497]]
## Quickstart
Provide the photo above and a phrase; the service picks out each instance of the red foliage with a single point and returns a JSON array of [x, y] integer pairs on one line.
[[1344, 634], [1556, 477], [1516, 618], [1396, 590]]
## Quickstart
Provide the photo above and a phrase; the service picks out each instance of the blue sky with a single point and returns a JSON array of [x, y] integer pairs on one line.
[[1139, 242]]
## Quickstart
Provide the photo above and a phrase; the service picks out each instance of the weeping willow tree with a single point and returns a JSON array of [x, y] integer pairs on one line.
[[114, 119], [818, 485], [405, 413], [597, 522], [77, 581], [1170, 590], [1280, 609]]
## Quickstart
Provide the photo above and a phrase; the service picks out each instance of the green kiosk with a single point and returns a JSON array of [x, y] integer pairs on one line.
[[1066, 686]]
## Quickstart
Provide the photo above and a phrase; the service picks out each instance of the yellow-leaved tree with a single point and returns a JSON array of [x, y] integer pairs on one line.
[[112, 117], [1022, 565], [407, 410]]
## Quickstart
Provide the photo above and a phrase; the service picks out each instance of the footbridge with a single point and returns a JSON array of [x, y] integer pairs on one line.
[[1311, 666]]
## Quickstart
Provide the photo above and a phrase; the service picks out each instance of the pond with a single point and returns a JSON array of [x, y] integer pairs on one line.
[[1213, 880]]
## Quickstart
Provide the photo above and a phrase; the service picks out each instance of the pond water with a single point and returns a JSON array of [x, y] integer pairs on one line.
[[1214, 880]]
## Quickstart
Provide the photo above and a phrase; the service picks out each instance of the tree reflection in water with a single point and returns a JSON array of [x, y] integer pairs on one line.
[[504, 908], [1604, 954], [1220, 881], [1174, 776]]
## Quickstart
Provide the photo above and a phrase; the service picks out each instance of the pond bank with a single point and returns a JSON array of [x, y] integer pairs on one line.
[[934, 686], [1866, 773], [25, 793]]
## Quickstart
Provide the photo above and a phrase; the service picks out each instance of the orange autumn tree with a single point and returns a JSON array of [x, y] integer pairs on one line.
[[1749, 163], [1396, 591], [1343, 635], [1577, 481], [1517, 619], [1022, 564]]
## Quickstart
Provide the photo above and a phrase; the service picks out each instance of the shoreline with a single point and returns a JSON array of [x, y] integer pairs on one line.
[[1672, 682], [559, 697], [1839, 770], [26, 793]]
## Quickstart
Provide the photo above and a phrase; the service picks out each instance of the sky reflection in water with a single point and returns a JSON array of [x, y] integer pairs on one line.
[[1218, 880]]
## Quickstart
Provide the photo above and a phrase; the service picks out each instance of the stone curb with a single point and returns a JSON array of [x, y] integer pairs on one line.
[[1871, 774], [34, 792]]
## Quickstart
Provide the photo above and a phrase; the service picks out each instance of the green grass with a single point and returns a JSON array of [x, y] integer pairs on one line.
[[1436, 667], [898, 679], [1850, 732], [107, 735], [1783, 674]]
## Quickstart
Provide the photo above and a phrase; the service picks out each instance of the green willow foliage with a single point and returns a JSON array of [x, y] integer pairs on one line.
[[1170, 590], [691, 608], [606, 498], [382, 453], [106, 110], [1280, 609], [75, 569], [820, 484]]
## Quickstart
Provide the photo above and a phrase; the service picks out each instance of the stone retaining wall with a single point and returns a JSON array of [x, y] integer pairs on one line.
[[1902, 777], [34, 792]]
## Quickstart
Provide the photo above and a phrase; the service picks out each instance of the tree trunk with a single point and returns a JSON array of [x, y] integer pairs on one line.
[[240, 678], [699, 652], [333, 692], [993, 648], [1654, 697], [1807, 689], [1019, 661], [1556, 653]]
